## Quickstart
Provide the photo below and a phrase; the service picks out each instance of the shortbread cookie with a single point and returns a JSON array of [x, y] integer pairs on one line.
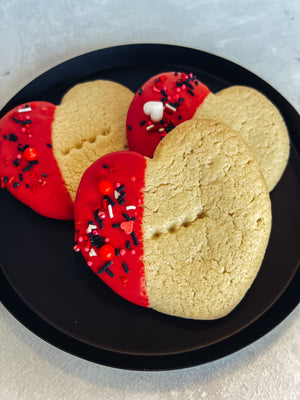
[[183, 233], [181, 96], [44, 149], [162, 103]]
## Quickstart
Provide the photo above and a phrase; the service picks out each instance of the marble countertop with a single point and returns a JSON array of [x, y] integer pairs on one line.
[[264, 37]]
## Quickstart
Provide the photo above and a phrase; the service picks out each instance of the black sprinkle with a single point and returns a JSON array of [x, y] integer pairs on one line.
[[196, 83], [91, 222], [129, 127], [16, 162], [44, 175], [120, 188], [163, 93], [126, 216], [181, 99], [16, 120], [34, 162], [142, 123], [109, 200], [27, 168], [108, 264], [116, 225], [179, 117], [104, 166], [20, 149], [121, 197], [21, 177], [162, 121], [128, 244], [164, 99], [25, 147], [5, 137], [5, 179], [176, 74], [27, 186], [117, 252], [178, 84], [108, 271], [101, 224], [96, 216], [13, 137], [125, 266], [189, 85], [135, 241], [16, 184], [190, 92], [27, 121], [122, 201], [133, 219], [140, 91], [169, 127], [49, 145]]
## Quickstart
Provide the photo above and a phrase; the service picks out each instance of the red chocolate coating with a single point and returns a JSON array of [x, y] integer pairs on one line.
[[33, 175], [180, 91], [102, 220]]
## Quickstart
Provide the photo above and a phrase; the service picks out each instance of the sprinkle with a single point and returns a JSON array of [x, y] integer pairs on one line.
[[104, 166], [20, 149], [16, 184], [110, 211], [108, 271], [89, 263], [126, 216], [126, 269], [130, 207], [104, 268], [11, 179], [161, 129], [101, 224], [26, 109], [5, 137], [16, 120], [179, 117], [116, 225], [90, 228], [149, 127], [111, 202], [26, 123], [49, 145], [122, 252], [142, 123], [76, 248], [27, 186], [132, 252], [21, 177], [12, 137], [129, 127], [121, 201], [120, 198], [190, 92], [140, 91], [44, 175], [16, 162], [92, 253], [128, 244], [117, 194], [170, 107], [117, 252], [134, 238], [120, 188]]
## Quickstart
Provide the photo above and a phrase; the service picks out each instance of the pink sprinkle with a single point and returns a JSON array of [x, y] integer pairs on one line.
[[191, 75], [164, 88], [80, 239], [178, 90], [118, 185], [183, 87], [23, 130], [95, 233], [106, 240], [133, 178], [132, 252], [139, 201], [30, 136], [169, 98], [122, 252], [27, 117], [86, 249], [76, 248], [102, 215], [19, 156], [89, 263]]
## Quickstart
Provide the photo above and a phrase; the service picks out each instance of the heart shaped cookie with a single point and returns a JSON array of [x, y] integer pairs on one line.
[[44, 149], [244, 109], [197, 220]]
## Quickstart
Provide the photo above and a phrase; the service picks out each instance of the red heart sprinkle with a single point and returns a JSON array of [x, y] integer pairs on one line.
[[127, 226]]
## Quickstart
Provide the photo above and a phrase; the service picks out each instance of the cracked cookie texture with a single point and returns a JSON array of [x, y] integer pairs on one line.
[[207, 221]]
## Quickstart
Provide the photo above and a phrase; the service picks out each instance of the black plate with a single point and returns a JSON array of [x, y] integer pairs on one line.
[[40, 267]]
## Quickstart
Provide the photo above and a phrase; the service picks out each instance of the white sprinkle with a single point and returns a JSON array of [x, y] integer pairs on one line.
[[161, 129], [24, 109], [149, 127], [91, 227], [110, 211], [92, 253], [130, 207], [170, 107], [117, 195]]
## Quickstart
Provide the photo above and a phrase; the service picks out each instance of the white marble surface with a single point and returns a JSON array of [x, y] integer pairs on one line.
[[263, 36]]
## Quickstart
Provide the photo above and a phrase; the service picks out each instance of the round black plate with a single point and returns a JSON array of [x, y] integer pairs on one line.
[[40, 266]]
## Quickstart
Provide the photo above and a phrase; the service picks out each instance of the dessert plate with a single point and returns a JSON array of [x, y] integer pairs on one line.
[[53, 284]]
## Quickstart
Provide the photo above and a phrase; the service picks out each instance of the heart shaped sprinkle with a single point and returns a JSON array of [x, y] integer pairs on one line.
[[155, 110], [127, 227]]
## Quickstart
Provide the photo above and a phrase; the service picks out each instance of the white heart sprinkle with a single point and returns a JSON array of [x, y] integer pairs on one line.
[[155, 110]]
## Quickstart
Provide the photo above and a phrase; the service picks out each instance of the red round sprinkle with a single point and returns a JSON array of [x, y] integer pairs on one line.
[[31, 154], [105, 187], [124, 280], [107, 252]]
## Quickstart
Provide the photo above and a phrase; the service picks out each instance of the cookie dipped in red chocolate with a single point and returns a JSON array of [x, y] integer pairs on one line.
[[108, 213], [28, 168], [162, 103]]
